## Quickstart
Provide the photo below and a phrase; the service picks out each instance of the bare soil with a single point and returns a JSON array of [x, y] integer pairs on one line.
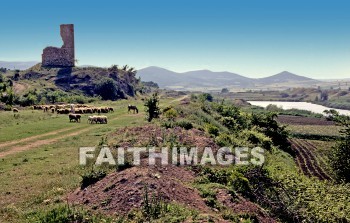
[[121, 192], [299, 120]]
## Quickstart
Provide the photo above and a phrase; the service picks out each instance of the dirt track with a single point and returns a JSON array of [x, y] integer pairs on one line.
[[38, 143], [31, 138], [34, 141]]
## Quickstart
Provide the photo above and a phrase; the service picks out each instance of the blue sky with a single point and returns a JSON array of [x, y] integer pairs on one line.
[[251, 37]]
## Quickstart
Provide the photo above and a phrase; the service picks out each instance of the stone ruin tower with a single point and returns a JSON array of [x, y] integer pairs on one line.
[[64, 56]]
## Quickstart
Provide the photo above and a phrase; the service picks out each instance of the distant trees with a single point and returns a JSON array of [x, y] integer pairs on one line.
[[284, 95], [324, 96], [224, 91], [16, 76], [150, 84], [7, 95], [273, 108], [205, 97], [3, 70]]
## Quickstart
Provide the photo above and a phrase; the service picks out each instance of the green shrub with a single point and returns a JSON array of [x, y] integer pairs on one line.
[[223, 139], [205, 97], [170, 114], [211, 129], [239, 183], [92, 177], [229, 122], [184, 124]]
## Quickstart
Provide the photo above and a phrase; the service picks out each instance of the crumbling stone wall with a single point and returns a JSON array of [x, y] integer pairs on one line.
[[64, 56]]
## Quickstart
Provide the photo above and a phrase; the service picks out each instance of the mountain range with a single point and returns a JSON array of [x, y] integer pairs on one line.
[[209, 80], [20, 65], [205, 79]]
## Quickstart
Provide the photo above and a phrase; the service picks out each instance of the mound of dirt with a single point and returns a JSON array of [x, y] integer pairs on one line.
[[120, 192], [152, 135]]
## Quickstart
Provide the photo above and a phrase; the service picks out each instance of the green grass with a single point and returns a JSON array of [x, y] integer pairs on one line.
[[39, 178], [324, 130]]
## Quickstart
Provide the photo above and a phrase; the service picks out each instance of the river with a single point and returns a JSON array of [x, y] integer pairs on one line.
[[298, 105]]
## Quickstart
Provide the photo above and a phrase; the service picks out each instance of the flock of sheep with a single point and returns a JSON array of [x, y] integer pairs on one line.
[[74, 111]]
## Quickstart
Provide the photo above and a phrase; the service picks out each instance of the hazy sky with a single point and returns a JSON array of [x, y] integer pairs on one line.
[[251, 37]]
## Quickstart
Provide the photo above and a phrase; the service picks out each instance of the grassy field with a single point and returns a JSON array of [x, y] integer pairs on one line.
[[324, 130], [39, 176]]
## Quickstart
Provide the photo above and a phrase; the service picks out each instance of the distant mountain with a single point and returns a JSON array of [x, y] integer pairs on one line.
[[284, 77], [206, 79], [20, 65]]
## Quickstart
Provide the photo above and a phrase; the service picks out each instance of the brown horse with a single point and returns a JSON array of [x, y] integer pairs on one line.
[[132, 107]]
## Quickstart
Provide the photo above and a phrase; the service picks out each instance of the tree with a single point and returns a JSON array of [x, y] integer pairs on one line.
[[108, 90], [224, 91], [53, 96], [8, 97], [324, 96], [16, 76], [268, 125], [206, 97], [152, 107]]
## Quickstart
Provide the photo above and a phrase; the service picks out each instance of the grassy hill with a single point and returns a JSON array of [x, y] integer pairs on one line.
[[78, 84]]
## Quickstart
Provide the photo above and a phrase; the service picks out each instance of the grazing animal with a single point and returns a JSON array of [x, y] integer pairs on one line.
[[74, 117], [134, 108], [97, 119], [15, 110]]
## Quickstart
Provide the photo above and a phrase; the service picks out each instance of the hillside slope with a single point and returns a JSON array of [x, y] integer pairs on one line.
[[49, 85]]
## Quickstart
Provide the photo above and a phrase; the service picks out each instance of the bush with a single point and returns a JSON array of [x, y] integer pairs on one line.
[[184, 124], [170, 114], [91, 177], [206, 97], [240, 183], [223, 140], [212, 129], [340, 155], [229, 122]]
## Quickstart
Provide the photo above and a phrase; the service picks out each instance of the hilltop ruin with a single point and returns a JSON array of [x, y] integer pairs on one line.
[[64, 56]]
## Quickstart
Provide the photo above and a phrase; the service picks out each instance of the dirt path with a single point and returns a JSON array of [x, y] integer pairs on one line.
[[180, 99], [38, 143], [31, 138], [34, 144]]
